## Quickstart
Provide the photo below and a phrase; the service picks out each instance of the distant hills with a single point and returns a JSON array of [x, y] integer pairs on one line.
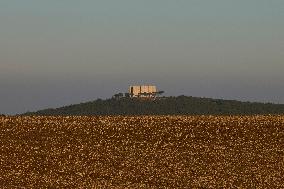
[[181, 105]]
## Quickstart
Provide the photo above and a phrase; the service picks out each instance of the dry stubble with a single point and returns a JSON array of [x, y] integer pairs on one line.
[[142, 152]]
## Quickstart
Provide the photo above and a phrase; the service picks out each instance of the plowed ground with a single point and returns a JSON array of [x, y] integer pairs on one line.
[[142, 152]]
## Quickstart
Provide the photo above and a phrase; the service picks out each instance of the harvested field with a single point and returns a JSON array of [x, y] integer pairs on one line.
[[142, 152]]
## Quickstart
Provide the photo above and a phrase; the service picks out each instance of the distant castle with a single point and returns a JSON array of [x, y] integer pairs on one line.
[[141, 91]]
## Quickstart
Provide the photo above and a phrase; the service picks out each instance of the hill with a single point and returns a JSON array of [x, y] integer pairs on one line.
[[181, 105]]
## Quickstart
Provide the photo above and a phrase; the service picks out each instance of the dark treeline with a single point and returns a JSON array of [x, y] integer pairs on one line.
[[181, 105]]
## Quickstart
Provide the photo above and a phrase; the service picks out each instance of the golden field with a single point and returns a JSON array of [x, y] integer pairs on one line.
[[142, 152]]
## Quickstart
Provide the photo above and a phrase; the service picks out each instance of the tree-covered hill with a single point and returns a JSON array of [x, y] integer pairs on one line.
[[181, 105]]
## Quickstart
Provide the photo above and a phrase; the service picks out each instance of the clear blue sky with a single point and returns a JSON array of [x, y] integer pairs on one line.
[[59, 52]]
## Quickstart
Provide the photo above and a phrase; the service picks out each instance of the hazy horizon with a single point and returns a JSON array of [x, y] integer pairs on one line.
[[55, 53]]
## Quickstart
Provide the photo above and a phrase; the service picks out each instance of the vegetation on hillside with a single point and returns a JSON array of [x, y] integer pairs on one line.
[[181, 105]]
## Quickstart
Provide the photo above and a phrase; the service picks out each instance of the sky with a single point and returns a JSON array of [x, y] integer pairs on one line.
[[60, 52]]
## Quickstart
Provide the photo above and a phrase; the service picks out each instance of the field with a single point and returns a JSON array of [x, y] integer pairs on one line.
[[142, 152]]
